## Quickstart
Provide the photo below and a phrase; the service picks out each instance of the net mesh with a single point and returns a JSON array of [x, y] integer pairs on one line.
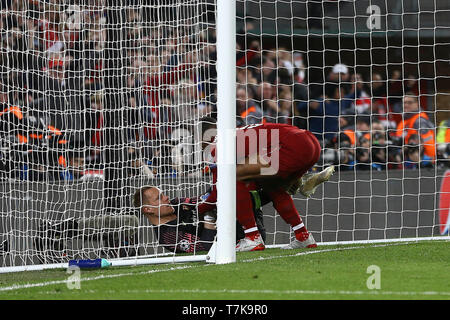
[[99, 99], [370, 80]]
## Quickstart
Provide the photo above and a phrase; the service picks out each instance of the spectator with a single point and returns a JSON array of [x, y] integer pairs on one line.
[[378, 89], [68, 43], [395, 92], [55, 95], [3, 97], [48, 25], [268, 70], [286, 69], [380, 104], [443, 142], [339, 74], [245, 58], [285, 107], [268, 101], [186, 97], [411, 84], [34, 145], [347, 120], [242, 76], [247, 110], [323, 113], [363, 158], [417, 124], [137, 165], [379, 146], [362, 125], [443, 132], [94, 123], [300, 92], [300, 72], [340, 151], [358, 96], [414, 154], [74, 168], [378, 134]]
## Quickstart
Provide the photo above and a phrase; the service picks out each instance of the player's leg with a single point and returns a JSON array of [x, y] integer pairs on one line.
[[117, 231], [285, 207], [51, 240], [298, 155], [245, 215], [258, 201]]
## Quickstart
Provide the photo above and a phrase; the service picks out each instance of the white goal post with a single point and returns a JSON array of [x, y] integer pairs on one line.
[[226, 125]]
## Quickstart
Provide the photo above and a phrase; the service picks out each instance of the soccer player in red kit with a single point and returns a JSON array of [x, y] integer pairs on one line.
[[271, 156], [275, 157]]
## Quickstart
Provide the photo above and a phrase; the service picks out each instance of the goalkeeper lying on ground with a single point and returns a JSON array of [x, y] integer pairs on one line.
[[178, 226], [177, 229], [180, 229]]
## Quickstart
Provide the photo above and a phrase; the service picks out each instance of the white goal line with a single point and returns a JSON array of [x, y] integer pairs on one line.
[[335, 243], [138, 261]]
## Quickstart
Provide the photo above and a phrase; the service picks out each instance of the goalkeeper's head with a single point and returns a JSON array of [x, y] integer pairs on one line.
[[154, 204]]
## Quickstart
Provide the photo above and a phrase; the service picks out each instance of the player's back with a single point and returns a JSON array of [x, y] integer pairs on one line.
[[268, 126], [263, 133]]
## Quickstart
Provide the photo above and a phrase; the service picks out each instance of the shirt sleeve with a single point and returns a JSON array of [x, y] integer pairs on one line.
[[179, 240]]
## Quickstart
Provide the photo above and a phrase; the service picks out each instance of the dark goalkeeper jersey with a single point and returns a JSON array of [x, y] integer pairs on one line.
[[186, 233]]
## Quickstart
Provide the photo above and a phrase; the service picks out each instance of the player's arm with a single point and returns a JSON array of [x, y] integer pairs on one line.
[[191, 243], [254, 167], [209, 203], [178, 240]]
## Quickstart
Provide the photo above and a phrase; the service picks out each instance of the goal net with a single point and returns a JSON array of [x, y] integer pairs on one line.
[[101, 100], [98, 100], [370, 79]]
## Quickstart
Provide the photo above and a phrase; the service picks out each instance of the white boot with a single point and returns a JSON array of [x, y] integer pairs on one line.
[[309, 242], [249, 244], [309, 182]]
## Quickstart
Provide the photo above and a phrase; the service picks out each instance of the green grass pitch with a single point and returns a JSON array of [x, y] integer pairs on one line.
[[408, 270]]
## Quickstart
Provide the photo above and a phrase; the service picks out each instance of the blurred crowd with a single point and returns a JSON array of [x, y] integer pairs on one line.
[[55, 102], [363, 121], [57, 96]]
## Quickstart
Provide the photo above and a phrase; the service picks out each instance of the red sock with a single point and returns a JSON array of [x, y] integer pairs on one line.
[[285, 207], [244, 210]]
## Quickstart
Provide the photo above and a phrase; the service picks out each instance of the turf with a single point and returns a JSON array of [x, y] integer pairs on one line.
[[416, 270]]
